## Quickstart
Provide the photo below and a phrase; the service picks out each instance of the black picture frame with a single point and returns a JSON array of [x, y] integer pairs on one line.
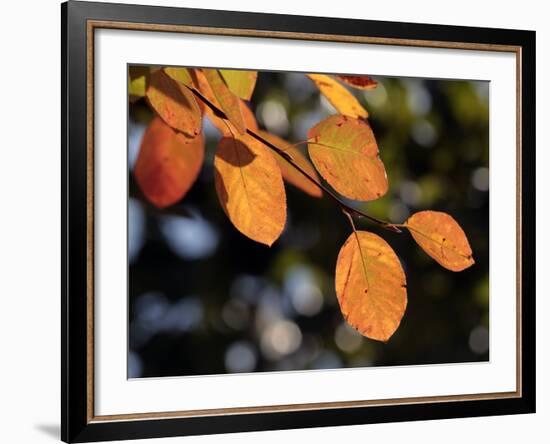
[[76, 423]]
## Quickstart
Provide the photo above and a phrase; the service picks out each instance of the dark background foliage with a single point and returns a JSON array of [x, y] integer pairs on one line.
[[205, 299]]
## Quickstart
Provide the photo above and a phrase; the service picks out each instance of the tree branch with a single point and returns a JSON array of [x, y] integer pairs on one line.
[[348, 210]]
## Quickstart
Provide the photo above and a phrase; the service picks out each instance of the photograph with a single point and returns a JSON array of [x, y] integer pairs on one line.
[[279, 221], [289, 221]]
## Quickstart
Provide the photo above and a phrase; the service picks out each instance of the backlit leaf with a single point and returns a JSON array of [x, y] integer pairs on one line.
[[343, 100], [229, 102], [248, 116], [229, 130], [137, 82], [175, 104], [370, 285], [291, 174], [241, 83], [225, 127], [206, 91], [439, 235], [345, 153], [168, 163], [359, 82], [250, 188], [182, 75]]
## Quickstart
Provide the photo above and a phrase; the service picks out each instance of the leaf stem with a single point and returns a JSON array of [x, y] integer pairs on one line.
[[347, 209]]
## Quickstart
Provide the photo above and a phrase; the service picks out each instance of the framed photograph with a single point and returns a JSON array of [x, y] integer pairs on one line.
[[276, 221]]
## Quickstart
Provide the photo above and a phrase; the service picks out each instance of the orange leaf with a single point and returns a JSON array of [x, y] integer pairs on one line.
[[370, 285], [442, 238], [248, 116], [174, 104], [359, 82], [291, 174], [223, 126], [344, 151], [229, 102], [168, 163], [344, 101], [241, 83], [250, 188]]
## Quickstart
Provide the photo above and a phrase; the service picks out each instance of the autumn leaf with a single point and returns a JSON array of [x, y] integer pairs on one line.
[[137, 82], [343, 100], [223, 126], [229, 102], [174, 104], [168, 163], [290, 173], [229, 130], [345, 153], [187, 78], [241, 83], [250, 188], [248, 117], [370, 285], [442, 238], [181, 75], [359, 82]]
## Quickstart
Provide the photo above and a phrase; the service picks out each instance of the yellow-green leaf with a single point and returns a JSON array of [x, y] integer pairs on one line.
[[137, 82], [345, 153], [229, 102], [370, 285], [241, 83], [290, 173], [168, 163], [174, 104], [182, 75], [343, 100], [359, 82], [250, 188], [442, 238]]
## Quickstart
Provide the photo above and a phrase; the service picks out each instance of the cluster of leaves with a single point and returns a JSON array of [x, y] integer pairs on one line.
[[251, 166]]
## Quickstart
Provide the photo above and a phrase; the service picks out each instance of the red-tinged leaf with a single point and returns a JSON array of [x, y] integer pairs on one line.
[[241, 83], [290, 173], [168, 163], [442, 238], [174, 104], [345, 153], [250, 188], [339, 97], [229, 102], [359, 82], [370, 285]]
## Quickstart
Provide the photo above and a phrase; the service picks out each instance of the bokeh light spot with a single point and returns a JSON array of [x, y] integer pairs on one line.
[[305, 295], [480, 179], [479, 340], [189, 238], [280, 338], [240, 357]]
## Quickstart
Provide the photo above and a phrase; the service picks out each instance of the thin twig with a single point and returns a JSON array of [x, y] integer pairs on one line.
[[348, 210]]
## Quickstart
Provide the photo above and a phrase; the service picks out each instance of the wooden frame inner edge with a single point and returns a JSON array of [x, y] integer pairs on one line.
[[91, 26]]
